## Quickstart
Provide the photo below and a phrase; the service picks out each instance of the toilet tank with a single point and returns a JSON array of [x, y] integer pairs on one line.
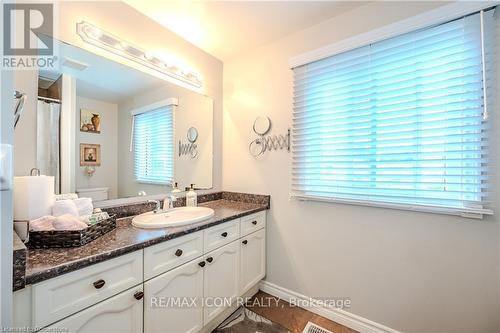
[[96, 194]]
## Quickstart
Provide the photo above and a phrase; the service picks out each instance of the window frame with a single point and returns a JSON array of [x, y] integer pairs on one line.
[[170, 103], [432, 18]]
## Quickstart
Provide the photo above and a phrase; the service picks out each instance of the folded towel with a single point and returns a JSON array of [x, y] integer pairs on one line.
[[67, 196], [68, 222], [84, 206], [43, 223], [63, 207]]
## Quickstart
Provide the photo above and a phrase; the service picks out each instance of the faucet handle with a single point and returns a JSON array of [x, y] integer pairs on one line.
[[157, 205]]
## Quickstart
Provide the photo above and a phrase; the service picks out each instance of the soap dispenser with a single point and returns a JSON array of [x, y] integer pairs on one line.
[[191, 197], [175, 188]]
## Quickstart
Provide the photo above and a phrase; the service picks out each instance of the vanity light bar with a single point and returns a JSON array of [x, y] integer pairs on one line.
[[97, 37]]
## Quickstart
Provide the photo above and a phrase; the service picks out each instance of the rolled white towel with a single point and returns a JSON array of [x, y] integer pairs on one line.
[[84, 206], [68, 222], [66, 196], [63, 207], [44, 223]]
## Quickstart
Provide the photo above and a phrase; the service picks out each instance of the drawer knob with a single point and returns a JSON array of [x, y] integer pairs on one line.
[[245, 242], [224, 234], [210, 259], [254, 222], [138, 295], [178, 253], [99, 284], [202, 264]]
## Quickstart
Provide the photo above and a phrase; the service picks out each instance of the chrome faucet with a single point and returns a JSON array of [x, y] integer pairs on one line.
[[169, 201], [157, 207]]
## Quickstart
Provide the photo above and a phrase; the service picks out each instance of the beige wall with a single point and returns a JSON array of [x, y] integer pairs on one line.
[[414, 272], [117, 17], [105, 175]]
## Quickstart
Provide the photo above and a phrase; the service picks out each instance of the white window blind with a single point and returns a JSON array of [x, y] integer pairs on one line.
[[399, 123], [153, 146]]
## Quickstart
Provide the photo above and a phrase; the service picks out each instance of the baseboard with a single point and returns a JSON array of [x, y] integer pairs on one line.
[[340, 316]]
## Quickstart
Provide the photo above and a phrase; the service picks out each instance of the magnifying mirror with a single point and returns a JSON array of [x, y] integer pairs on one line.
[[262, 125], [192, 134]]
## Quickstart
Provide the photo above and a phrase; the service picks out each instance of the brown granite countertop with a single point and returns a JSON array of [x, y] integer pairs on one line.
[[19, 262], [43, 264]]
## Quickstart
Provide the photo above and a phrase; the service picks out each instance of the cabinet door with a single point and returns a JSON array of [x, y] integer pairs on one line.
[[221, 279], [121, 314], [253, 259], [173, 300]]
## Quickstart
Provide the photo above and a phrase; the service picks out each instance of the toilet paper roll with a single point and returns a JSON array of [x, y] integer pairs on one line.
[[33, 197]]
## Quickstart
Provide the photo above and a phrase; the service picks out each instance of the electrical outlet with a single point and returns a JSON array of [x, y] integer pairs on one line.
[[5, 167]]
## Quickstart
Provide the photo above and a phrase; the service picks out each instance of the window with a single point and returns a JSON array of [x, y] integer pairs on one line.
[[153, 146], [399, 123]]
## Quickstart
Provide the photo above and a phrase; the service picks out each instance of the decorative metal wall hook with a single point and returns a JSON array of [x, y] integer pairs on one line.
[[190, 148], [263, 143]]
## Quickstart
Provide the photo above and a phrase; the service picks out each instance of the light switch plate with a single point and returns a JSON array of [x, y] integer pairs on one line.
[[5, 167]]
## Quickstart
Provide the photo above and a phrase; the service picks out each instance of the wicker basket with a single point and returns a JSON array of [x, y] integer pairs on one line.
[[70, 238]]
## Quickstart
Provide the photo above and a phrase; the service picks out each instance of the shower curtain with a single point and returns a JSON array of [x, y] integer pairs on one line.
[[47, 143]]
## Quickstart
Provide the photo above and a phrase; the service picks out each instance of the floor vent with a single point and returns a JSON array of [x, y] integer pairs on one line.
[[313, 328]]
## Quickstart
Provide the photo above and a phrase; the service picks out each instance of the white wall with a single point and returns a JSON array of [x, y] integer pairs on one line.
[[6, 206], [105, 175], [414, 272], [25, 134]]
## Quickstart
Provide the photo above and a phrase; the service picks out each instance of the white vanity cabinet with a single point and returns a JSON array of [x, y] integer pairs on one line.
[[177, 286], [253, 259], [122, 313], [221, 282], [169, 300]]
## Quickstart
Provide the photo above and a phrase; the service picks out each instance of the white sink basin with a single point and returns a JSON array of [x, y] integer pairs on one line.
[[172, 217]]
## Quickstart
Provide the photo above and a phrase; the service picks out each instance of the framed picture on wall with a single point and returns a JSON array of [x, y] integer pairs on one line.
[[90, 121], [90, 154]]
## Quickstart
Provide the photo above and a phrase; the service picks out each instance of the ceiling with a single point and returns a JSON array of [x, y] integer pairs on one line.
[[228, 28]]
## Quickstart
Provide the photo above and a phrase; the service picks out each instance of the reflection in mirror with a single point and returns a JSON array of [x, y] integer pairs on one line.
[[107, 131]]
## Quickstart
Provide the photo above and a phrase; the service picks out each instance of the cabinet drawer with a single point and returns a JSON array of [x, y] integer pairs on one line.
[[165, 256], [221, 234], [119, 314], [62, 296], [252, 223]]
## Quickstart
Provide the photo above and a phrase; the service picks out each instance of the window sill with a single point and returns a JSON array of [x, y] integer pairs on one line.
[[153, 183], [463, 212]]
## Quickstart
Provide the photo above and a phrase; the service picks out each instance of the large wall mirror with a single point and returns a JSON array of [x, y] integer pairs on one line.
[[108, 131]]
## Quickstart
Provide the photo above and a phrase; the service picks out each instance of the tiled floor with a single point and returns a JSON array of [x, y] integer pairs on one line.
[[246, 321], [291, 317]]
